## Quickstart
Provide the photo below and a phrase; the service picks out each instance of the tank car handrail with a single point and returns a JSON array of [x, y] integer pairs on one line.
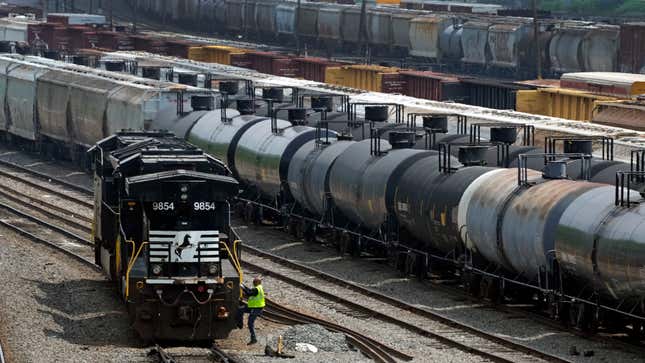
[[550, 143], [620, 199]]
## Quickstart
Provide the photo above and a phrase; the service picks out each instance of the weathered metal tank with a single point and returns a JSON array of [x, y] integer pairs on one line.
[[510, 45], [474, 42], [285, 19], [346, 173], [309, 173], [450, 43], [599, 241], [329, 23], [220, 139], [424, 35], [262, 156], [599, 49], [564, 49]]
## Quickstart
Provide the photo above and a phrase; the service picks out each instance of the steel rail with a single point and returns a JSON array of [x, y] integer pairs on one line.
[[34, 204], [221, 356], [377, 351], [44, 223], [43, 241], [44, 188], [400, 304], [47, 177], [161, 354]]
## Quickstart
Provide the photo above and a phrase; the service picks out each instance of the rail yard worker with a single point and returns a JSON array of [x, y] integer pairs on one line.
[[254, 306]]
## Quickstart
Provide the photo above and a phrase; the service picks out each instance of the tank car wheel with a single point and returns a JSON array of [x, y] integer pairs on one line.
[[637, 332], [420, 268], [344, 243], [473, 283], [356, 247]]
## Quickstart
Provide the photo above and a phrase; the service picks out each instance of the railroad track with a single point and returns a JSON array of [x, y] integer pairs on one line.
[[454, 333], [393, 311], [19, 169], [31, 226], [375, 350]]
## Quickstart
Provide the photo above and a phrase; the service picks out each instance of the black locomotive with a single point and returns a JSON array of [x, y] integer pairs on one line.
[[162, 233]]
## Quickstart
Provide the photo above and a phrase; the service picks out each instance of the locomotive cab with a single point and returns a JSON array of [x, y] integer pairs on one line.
[[162, 232]]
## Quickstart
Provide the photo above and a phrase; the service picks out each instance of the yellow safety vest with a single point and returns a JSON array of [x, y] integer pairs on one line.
[[257, 301]]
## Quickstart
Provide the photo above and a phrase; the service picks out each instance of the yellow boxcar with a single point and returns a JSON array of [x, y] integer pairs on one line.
[[370, 78], [221, 54], [559, 102], [197, 54]]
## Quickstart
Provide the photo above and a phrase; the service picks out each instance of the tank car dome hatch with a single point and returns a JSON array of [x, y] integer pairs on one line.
[[377, 113], [245, 106], [325, 103], [187, 78], [273, 93], [81, 60], [504, 135], [581, 146], [555, 169], [402, 139], [436, 123], [471, 155], [51, 54], [297, 116], [229, 87], [115, 65], [151, 72], [202, 102]]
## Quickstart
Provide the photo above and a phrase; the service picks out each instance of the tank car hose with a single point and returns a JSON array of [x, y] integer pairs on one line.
[[176, 302]]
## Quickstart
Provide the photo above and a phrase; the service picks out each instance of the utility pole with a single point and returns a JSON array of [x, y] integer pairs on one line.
[[536, 39], [45, 7], [362, 29], [111, 14], [90, 10], [298, 27]]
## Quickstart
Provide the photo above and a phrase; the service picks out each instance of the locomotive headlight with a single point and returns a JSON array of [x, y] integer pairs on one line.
[[212, 269], [184, 196], [184, 188], [156, 269]]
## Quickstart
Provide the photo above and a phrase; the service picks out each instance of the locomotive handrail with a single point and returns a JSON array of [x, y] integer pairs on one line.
[[133, 259], [235, 261]]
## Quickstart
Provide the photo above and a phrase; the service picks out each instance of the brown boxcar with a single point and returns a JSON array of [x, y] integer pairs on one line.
[[313, 68], [432, 86], [631, 56]]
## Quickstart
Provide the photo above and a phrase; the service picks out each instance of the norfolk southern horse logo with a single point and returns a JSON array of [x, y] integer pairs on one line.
[[186, 244]]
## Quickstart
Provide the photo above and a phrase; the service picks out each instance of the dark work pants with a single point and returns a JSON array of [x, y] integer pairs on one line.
[[254, 313]]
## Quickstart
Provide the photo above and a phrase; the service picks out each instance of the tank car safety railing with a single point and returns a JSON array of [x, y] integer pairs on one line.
[[522, 167], [528, 131], [623, 186], [637, 162], [133, 259], [399, 109], [343, 99], [445, 162], [551, 143], [272, 101]]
